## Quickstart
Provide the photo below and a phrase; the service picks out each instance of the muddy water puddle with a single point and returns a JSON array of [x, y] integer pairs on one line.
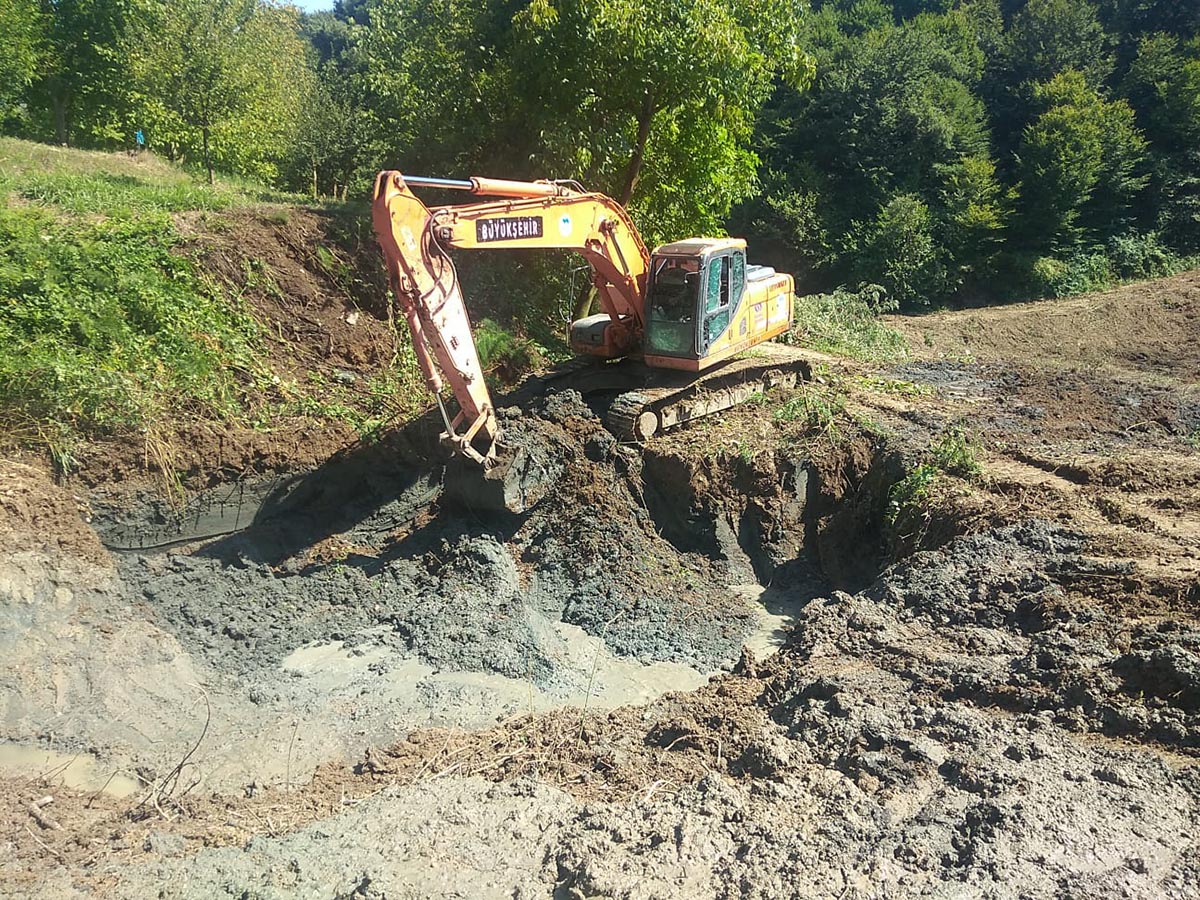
[[50, 768], [588, 673]]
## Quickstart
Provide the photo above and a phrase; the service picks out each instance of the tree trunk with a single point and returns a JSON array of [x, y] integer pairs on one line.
[[207, 157], [639, 151], [314, 165], [60, 119], [584, 303]]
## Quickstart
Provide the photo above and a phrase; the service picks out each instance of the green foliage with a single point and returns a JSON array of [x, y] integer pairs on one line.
[[1163, 84], [909, 494], [107, 325], [224, 80], [80, 95], [889, 176], [506, 356], [20, 34], [899, 246], [945, 149], [1080, 162], [1126, 257], [1137, 256], [847, 323], [1051, 36], [987, 148], [813, 408], [104, 327], [654, 102], [955, 453]]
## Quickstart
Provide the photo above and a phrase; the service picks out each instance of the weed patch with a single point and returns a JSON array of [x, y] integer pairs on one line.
[[105, 328], [911, 501], [847, 324]]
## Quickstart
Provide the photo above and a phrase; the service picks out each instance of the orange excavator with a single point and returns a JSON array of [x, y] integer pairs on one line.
[[680, 319]]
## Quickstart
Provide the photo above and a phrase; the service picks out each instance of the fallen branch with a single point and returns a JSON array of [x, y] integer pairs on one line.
[[43, 820]]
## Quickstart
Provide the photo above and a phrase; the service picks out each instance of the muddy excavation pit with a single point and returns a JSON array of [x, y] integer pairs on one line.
[[670, 673]]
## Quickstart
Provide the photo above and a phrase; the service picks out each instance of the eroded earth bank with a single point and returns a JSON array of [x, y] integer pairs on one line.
[[926, 628]]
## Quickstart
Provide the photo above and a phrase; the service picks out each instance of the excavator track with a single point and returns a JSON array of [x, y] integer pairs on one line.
[[662, 400], [632, 417]]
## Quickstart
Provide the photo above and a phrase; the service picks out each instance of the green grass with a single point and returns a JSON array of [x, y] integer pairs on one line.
[[845, 323], [896, 386], [106, 328], [955, 453], [82, 183]]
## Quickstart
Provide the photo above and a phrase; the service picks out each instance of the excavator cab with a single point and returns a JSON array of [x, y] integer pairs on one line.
[[689, 295], [703, 303]]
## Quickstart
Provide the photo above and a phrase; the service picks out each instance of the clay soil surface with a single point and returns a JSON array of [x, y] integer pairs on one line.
[[923, 628]]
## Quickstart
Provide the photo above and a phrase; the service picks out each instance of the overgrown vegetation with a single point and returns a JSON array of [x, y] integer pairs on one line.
[[847, 323], [105, 328], [911, 500], [111, 327], [938, 149]]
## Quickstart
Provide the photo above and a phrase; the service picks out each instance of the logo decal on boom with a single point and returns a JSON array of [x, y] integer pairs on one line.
[[511, 229]]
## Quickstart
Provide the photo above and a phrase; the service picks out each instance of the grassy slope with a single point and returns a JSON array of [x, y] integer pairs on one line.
[[115, 323]]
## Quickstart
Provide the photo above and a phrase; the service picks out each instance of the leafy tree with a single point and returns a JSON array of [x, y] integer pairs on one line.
[[1079, 163], [893, 134], [327, 140], [1163, 84], [1051, 36], [432, 72], [898, 250], [20, 38], [974, 210], [661, 96], [1129, 20], [224, 78], [81, 90]]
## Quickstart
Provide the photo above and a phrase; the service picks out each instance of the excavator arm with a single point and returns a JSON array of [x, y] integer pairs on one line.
[[541, 214]]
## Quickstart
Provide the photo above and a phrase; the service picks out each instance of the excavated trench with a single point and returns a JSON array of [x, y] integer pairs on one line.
[[936, 726], [364, 586]]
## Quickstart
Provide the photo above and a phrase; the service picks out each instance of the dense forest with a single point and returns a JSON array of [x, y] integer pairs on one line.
[[916, 151]]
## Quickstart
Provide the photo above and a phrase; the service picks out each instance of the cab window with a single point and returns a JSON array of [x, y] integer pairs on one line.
[[717, 293], [716, 299], [738, 278]]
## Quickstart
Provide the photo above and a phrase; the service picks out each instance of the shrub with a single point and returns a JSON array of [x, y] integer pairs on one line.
[[507, 356], [1136, 256], [846, 322]]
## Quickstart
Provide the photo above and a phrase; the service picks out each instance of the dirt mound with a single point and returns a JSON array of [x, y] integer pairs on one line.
[[36, 514], [1151, 326]]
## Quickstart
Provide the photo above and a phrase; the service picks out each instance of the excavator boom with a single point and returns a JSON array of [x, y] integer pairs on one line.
[[537, 214]]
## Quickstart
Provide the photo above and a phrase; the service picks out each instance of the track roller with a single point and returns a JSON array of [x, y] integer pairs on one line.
[[630, 417]]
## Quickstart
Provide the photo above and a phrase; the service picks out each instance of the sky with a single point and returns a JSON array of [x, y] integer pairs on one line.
[[313, 5]]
